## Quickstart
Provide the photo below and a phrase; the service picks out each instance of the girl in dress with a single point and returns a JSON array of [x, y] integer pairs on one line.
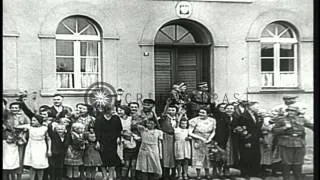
[[73, 158], [182, 148], [10, 156], [167, 124], [91, 158], [37, 149], [148, 161], [266, 143]]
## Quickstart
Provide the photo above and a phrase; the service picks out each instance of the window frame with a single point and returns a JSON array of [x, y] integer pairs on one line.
[[77, 38], [277, 41]]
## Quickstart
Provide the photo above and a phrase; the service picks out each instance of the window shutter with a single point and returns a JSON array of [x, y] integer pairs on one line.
[[187, 69], [163, 58]]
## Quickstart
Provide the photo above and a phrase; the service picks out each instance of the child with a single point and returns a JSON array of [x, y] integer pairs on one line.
[[148, 161], [182, 148], [123, 112], [129, 152], [167, 124], [91, 157], [73, 158], [217, 156], [10, 156], [37, 152], [266, 144], [60, 142]]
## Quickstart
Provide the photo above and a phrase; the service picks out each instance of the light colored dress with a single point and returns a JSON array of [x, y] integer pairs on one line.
[[126, 123], [148, 160], [10, 155], [36, 149], [182, 147], [200, 151]]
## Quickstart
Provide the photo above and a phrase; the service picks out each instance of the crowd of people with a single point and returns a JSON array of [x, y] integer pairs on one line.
[[126, 141]]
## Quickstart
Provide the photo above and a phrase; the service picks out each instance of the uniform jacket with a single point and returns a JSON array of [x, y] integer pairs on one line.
[[294, 136]]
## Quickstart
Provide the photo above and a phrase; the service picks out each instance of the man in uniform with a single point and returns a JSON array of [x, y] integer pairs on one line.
[[199, 98], [280, 110], [291, 141]]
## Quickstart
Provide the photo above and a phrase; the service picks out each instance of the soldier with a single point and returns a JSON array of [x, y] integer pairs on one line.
[[280, 110], [200, 98], [291, 141]]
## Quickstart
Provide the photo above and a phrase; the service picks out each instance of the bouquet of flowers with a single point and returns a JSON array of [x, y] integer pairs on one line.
[[243, 132]]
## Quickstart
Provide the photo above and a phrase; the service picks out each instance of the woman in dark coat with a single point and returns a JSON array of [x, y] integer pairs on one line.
[[230, 141], [248, 129], [108, 129]]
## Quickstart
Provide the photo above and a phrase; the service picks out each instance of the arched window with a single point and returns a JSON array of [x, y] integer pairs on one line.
[[279, 46], [78, 57], [172, 34]]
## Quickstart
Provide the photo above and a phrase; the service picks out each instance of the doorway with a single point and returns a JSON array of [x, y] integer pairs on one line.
[[180, 56]]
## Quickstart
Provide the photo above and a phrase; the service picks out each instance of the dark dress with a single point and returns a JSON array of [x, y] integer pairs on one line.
[[107, 132], [249, 156], [91, 155]]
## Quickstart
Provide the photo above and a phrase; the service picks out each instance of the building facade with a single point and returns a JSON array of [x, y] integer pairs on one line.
[[259, 50]]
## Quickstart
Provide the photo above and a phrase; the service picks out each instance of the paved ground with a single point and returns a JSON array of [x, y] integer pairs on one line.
[[307, 171]]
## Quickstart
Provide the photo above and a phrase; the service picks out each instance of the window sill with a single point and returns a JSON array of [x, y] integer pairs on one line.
[[276, 90]]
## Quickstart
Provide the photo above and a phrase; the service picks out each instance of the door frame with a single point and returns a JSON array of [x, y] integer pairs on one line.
[[204, 59]]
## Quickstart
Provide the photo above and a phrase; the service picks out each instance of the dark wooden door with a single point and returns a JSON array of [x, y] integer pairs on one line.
[[175, 65]]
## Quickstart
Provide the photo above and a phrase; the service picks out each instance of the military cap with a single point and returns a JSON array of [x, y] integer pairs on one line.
[[149, 101], [202, 84], [289, 97]]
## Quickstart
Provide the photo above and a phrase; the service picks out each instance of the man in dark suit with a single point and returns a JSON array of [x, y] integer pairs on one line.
[[57, 110]]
